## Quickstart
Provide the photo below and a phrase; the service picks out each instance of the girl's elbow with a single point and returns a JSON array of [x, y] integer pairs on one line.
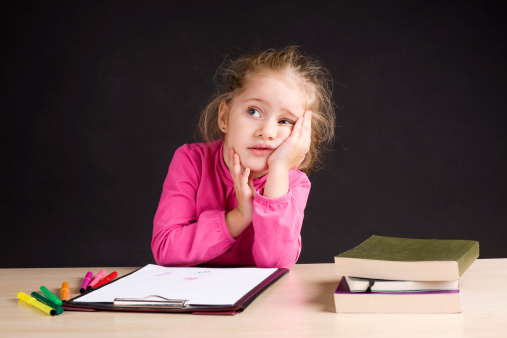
[[159, 253], [276, 265], [278, 262]]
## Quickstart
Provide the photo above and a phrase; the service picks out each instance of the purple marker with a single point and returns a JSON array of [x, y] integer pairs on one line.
[[86, 281]]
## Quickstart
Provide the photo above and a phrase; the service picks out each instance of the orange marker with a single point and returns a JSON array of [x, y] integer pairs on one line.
[[65, 291], [107, 279]]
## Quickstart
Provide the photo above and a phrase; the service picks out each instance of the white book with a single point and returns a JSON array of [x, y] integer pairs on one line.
[[436, 301], [357, 284]]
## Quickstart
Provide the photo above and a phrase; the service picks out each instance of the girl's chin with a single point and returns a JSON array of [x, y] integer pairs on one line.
[[259, 174], [259, 170]]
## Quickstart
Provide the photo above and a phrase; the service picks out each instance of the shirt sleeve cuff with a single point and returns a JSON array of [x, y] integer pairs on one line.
[[278, 200], [223, 227]]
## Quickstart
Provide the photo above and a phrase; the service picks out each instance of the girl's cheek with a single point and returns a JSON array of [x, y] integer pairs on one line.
[[288, 132]]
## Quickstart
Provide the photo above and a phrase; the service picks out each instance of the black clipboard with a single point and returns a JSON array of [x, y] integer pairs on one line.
[[160, 304]]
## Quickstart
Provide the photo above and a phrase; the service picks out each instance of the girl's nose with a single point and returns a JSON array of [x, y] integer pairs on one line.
[[267, 130]]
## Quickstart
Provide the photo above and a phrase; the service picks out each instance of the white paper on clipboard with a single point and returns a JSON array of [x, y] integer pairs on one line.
[[200, 286]]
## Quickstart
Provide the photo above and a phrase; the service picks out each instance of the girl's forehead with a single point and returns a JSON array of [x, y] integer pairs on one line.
[[289, 80], [275, 89], [288, 77], [271, 80]]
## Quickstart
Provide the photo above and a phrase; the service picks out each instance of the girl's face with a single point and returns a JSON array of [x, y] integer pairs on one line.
[[260, 119]]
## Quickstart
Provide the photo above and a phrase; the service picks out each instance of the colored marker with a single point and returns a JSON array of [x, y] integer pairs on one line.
[[107, 279], [97, 279], [86, 281], [65, 291], [50, 296], [35, 303], [49, 303]]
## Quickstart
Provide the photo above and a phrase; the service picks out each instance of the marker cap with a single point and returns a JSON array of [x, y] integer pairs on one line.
[[65, 291], [97, 279], [50, 296]]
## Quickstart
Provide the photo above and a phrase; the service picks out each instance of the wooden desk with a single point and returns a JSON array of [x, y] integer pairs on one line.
[[301, 304]]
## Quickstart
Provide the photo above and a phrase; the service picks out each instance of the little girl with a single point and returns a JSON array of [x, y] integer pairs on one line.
[[239, 198]]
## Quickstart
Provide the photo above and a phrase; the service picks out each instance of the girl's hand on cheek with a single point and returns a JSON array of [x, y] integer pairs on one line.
[[292, 151], [243, 186]]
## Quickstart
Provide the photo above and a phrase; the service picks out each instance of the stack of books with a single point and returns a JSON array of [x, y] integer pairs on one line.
[[402, 275]]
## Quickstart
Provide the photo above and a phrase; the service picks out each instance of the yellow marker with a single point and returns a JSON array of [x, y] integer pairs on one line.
[[65, 291], [35, 303]]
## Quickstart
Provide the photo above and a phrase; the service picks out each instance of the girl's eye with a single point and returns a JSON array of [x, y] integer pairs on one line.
[[254, 112], [286, 122]]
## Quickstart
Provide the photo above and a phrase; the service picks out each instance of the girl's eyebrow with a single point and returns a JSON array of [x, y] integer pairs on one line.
[[287, 111], [294, 117], [255, 99]]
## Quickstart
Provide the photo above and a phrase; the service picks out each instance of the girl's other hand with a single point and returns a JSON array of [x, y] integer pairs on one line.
[[243, 187], [292, 151]]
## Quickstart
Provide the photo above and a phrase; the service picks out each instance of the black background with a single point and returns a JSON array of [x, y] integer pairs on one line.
[[96, 97]]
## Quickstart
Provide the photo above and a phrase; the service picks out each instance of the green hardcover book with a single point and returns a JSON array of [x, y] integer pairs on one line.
[[394, 258]]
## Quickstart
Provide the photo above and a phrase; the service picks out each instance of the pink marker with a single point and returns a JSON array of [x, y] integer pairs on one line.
[[86, 281], [98, 278]]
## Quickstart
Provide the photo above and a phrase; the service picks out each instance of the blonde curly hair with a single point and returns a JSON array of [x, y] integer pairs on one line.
[[232, 78]]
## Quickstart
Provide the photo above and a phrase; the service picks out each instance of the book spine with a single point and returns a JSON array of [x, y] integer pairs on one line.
[[468, 258]]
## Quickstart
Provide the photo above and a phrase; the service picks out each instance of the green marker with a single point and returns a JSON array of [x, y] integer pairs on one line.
[[49, 303], [50, 296]]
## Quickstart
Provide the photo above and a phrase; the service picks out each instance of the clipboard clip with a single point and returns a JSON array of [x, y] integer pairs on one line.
[[148, 302]]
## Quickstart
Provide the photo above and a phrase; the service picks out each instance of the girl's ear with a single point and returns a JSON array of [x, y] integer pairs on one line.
[[222, 117]]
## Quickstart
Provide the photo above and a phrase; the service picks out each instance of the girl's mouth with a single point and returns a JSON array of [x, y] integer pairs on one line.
[[261, 149]]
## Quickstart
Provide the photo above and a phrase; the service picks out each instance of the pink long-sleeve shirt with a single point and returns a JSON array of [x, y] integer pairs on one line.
[[189, 226]]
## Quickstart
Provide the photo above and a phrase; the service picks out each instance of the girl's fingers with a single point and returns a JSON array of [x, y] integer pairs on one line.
[[239, 178], [307, 127], [232, 163], [243, 181], [307, 122], [250, 182], [296, 131], [244, 176], [302, 127], [236, 167]]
